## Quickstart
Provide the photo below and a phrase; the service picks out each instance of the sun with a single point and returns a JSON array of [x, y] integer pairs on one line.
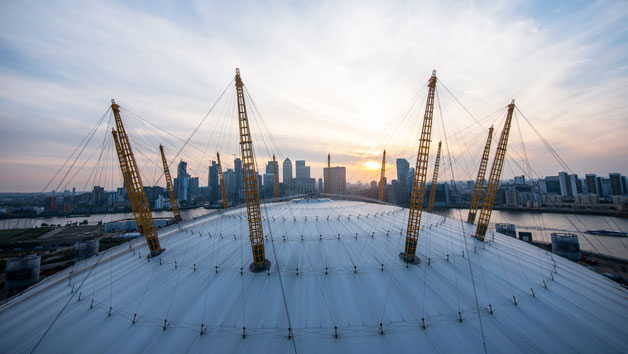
[[372, 165]]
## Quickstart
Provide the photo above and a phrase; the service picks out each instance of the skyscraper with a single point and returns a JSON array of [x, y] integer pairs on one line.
[[214, 192], [181, 183], [402, 178], [338, 180], [239, 182], [287, 176], [303, 171], [303, 182]]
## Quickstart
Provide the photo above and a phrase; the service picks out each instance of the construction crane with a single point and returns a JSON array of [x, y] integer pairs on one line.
[[382, 178], [133, 185], [251, 191], [430, 204], [221, 179], [276, 177], [493, 181], [173, 198], [479, 181], [328, 185], [420, 172]]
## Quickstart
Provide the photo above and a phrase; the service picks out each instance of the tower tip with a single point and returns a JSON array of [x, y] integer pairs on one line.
[[513, 101], [434, 72], [113, 101]]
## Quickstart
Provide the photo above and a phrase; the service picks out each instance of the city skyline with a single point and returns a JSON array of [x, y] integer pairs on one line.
[[335, 89]]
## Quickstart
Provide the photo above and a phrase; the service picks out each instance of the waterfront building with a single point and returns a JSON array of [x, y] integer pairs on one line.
[[617, 184], [594, 184], [565, 185]]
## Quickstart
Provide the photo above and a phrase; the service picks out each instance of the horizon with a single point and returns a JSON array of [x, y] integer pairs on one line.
[[326, 77]]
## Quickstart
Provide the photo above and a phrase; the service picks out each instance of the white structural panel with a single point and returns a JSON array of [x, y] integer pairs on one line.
[[336, 285]]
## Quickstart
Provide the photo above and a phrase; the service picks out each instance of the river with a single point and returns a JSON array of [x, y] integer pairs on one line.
[[543, 224], [540, 224], [94, 219]]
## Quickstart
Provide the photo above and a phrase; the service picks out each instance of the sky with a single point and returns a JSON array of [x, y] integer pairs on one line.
[[326, 77]]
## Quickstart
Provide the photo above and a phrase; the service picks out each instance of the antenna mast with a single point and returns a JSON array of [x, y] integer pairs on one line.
[[251, 190], [420, 172], [430, 204], [223, 188], [382, 178], [276, 177], [133, 184], [479, 182], [493, 181], [173, 198]]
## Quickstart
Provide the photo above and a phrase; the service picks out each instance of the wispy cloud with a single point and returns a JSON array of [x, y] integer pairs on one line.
[[326, 76]]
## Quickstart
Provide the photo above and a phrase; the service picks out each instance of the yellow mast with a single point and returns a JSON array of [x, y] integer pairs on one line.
[[133, 184], [173, 198], [276, 177], [479, 182], [221, 179], [493, 181], [420, 172], [328, 186], [382, 178], [430, 204], [251, 191]]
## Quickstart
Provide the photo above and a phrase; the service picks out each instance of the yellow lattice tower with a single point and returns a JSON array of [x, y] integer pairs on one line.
[[328, 185], [133, 184], [251, 191], [276, 177], [382, 178], [173, 198], [430, 204], [493, 181], [221, 179], [420, 172], [479, 181]]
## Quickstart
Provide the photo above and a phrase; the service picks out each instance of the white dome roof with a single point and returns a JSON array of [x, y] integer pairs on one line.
[[346, 286]]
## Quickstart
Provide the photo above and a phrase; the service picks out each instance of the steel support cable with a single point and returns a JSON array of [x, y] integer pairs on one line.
[[83, 143], [271, 137], [462, 226], [75, 161], [213, 131], [176, 284], [396, 123], [479, 123], [186, 142], [546, 143], [584, 235], [66, 305], [94, 169], [103, 148], [464, 237], [523, 147], [272, 241], [320, 289], [465, 145], [134, 115]]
